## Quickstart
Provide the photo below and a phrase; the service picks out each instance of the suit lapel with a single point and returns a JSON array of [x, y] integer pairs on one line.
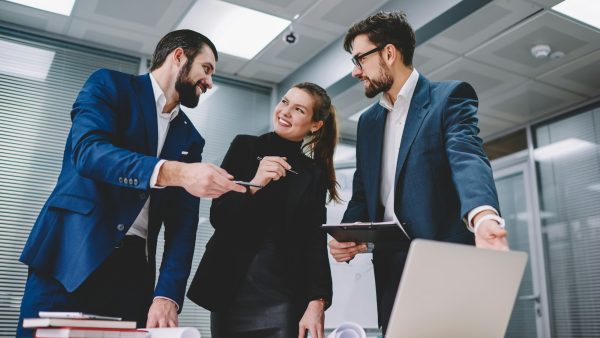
[[416, 115], [177, 136], [372, 166], [143, 88]]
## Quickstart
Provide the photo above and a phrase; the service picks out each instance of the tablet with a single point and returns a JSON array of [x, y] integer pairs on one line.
[[366, 232]]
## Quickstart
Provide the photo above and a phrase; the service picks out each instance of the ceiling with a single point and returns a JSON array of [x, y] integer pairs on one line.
[[121, 24], [489, 48]]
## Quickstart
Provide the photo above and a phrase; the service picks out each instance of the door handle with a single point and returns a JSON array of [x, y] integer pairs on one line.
[[534, 297]]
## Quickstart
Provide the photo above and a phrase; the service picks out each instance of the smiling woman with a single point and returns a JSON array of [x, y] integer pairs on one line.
[[290, 280]]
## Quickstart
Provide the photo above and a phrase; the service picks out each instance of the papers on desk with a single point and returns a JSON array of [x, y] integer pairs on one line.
[[174, 332], [67, 332], [348, 330]]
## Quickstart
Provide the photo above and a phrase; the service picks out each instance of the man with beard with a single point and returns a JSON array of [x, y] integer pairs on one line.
[[419, 161], [131, 164]]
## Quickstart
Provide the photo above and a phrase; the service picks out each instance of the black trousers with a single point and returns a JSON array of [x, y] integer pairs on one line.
[[121, 287], [388, 263]]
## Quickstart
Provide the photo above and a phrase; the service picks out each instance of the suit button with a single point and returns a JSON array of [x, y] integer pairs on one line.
[[130, 180], [135, 181], [120, 227], [120, 179], [143, 196]]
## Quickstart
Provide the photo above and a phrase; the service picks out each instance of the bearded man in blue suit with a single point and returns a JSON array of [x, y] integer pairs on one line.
[[131, 164], [419, 161]]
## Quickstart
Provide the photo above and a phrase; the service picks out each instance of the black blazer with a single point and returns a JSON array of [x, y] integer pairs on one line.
[[238, 232]]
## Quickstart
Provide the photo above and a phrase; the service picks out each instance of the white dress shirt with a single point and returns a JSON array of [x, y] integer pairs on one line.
[[394, 128], [140, 225]]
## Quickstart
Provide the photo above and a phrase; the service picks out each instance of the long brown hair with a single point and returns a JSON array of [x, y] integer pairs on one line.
[[320, 145]]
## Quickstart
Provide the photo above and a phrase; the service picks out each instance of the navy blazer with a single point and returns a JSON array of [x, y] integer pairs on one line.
[[442, 171], [108, 160]]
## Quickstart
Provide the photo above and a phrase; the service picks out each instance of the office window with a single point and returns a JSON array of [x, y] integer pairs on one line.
[[39, 79], [567, 157]]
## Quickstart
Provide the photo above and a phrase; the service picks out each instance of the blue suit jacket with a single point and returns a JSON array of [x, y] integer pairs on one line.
[[109, 157], [442, 171]]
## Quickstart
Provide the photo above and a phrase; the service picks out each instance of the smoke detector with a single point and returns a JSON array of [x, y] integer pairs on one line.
[[540, 51]]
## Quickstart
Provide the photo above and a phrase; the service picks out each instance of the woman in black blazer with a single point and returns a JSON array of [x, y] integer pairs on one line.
[[265, 272]]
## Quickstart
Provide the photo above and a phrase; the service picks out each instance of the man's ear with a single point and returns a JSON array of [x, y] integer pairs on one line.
[[178, 55], [391, 54]]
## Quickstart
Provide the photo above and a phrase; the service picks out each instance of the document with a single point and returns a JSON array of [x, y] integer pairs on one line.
[[173, 332], [366, 232], [74, 315]]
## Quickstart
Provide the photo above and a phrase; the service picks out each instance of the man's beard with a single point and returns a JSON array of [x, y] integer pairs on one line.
[[186, 88], [383, 84]]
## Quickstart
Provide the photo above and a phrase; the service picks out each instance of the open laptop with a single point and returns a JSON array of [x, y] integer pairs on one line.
[[453, 290]]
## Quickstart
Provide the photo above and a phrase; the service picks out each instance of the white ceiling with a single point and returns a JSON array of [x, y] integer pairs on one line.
[[489, 48]]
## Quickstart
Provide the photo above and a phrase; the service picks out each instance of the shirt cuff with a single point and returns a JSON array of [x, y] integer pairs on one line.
[[473, 212], [169, 299], [154, 176]]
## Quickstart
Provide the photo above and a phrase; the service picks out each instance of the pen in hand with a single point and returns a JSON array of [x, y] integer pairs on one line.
[[290, 170]]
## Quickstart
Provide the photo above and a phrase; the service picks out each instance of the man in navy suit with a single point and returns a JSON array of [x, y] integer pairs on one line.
[[131, 164], [419, 161]]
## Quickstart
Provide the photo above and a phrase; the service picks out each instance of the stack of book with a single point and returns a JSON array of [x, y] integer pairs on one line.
[[80, 325]]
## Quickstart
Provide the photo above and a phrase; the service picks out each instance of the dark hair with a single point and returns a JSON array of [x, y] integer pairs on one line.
[[383, 28], [190, 41], [321, 144]]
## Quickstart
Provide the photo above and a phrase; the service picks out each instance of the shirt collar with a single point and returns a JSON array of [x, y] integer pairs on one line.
[[161, 101], [405, 93]]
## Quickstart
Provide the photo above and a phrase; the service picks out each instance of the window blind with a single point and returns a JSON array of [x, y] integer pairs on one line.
[[39, 79], [568, 158]]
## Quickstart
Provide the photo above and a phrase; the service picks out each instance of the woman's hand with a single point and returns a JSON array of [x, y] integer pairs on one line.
[[313, 320], [271, 168]]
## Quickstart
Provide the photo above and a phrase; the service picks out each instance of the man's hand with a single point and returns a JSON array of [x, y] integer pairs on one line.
[[345, 251], [490, 235], [199, 179], [313, 320], [162, 313]]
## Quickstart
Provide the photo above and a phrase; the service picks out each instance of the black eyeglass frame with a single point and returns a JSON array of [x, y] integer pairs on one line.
[[357, 58]]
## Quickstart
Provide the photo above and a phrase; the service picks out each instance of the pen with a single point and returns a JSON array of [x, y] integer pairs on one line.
[[248, 184], [290, 170]]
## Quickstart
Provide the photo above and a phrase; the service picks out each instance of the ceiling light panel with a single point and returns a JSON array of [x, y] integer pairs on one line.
[[235, 30], [582, 10], [62, 7]]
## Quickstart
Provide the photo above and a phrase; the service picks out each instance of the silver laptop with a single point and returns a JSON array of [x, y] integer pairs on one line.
[[453, 290]]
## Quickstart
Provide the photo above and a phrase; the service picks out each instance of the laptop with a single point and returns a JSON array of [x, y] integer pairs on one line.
[[454, 290]]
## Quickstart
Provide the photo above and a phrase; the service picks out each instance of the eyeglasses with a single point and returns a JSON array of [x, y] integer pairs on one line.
[[357, 59]]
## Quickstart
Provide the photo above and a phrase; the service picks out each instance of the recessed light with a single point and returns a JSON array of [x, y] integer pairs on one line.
[[560, 149], [62, 7], [585, 11], [235, 30]]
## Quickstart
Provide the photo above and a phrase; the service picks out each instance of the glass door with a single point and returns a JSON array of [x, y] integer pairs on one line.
[[515, 186]]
